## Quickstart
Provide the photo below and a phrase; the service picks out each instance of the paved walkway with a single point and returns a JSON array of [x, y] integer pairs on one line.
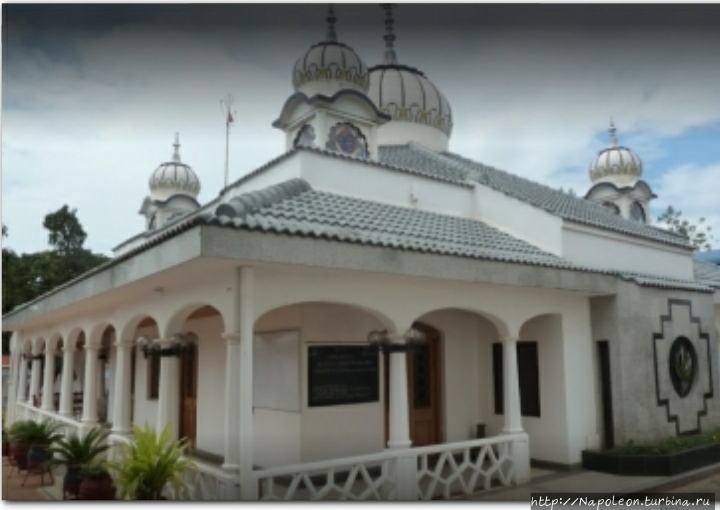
[[13, 490]]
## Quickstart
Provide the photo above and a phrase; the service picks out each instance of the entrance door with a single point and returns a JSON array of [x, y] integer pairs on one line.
[[188, 393], [423, 369], [606, 393]]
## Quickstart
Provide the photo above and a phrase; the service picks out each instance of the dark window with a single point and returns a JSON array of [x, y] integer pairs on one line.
[[636, 212], [528, 378], [153, 362]]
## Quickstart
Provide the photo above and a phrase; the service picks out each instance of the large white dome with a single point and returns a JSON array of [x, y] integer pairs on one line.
[[329, 67], [174, 178], [616, 164], [418, 110]]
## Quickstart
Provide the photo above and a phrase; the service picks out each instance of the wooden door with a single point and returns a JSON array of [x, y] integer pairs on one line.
[[423, 370], [424, 389], [188, 393]]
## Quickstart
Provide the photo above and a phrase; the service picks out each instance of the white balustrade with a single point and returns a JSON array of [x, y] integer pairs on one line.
[[68, 426], [354, 478], [205, 482], [450, 470]]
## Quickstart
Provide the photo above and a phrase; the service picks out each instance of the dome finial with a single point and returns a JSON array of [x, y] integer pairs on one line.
[[390, 56], [176, 154], [613, 133], [331, 19]]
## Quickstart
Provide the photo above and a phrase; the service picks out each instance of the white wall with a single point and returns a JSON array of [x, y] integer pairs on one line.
[[324, 432], [519, 219], [594, 248]]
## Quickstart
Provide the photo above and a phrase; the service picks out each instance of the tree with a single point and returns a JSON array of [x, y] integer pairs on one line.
[[66, 234], [27, 276], [698, 235]]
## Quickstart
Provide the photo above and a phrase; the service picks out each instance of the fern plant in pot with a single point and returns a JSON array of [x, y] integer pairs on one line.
[[19, 446], [32, 442], [149, 463], [75, 452]]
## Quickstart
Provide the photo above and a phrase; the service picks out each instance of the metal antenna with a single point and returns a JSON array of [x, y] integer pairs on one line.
[[176, 145], [227, 102], [331, 19]]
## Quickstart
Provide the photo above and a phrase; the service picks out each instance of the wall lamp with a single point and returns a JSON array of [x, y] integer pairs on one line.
[[179, 342], [384, 342]]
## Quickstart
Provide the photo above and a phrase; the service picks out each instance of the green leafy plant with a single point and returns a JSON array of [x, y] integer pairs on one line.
[[670, 445], [77, 451], [35, 433], [149, 463]]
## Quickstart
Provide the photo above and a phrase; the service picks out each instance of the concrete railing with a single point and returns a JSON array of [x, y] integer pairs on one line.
[[439, 471], [68, 425]]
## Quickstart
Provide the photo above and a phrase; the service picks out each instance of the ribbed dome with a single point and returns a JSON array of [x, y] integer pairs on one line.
[[330, 66], [616, 163], [173, 178], [407, 95]]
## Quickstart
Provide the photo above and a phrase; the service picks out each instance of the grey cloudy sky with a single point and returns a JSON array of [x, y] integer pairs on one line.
[[93, 94]]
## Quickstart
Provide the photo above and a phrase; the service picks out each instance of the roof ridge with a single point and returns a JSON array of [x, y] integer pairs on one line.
[[241, 205]]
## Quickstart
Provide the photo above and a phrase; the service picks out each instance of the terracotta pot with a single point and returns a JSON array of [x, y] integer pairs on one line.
[[19, 453], [94, 489]]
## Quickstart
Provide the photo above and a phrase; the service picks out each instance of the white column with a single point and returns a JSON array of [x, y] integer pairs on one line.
[[15, 358], [48, 399], [68, 370], [169, 388], [89, 415], [248, 486], [121, 398], [513, 421], [22, 380], [399, 426], [35, 377], [232, 408]]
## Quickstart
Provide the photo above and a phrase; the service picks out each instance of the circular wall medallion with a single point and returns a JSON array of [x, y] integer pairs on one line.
[[683, 365]]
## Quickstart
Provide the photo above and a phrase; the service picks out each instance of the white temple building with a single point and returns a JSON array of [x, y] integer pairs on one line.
[[369, 315]]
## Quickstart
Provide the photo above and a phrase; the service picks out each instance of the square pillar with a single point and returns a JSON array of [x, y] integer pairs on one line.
[[520, 450], [35, 377], [22, 379]]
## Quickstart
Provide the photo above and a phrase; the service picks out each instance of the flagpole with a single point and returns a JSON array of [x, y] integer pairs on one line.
[[227, 102]]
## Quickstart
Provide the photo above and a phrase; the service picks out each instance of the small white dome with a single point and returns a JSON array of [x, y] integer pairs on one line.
[[174, 178], [330, 66], [616, 164]]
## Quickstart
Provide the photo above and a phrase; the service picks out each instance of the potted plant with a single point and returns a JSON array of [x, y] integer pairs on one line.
[[5, 440], [40, 436], [74, 452], [19, 443], [149, 463], [96, 483]]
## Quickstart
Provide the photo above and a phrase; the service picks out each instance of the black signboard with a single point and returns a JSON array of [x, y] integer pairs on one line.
[[342, 375]]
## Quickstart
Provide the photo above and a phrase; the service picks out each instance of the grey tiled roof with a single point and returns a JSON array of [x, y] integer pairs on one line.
[[707, 273], [553, 201], [645, 280], [306, 212]]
